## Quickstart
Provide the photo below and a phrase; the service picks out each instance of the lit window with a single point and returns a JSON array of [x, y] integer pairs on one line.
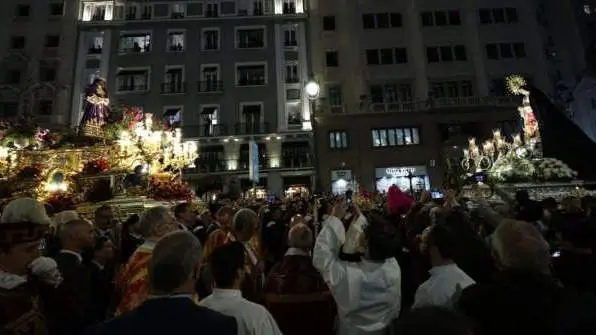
[[251, 38], [392, 137], [135, 43], [290, 33], [172, 116], [132, 80], [251, 75], [338, 140], [176, 41], [210, 40]]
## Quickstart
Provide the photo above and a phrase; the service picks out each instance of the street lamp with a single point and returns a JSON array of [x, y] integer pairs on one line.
[[312, 90]]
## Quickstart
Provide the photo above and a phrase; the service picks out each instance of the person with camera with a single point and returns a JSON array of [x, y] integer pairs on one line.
[[367, 292]]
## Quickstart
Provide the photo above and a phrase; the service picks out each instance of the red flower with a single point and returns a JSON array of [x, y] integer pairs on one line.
[[96, 166]]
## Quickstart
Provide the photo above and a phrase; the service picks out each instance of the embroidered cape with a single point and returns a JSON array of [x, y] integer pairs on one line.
[[133, 281]]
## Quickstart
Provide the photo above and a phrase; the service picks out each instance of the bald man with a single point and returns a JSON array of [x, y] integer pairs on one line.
[[75, 311]]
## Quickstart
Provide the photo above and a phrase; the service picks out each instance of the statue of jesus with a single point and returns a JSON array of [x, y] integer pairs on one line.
[[95, 107]]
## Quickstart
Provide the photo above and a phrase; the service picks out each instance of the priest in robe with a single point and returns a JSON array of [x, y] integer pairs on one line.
[[295, 287], [222, 235], [132, 283], [241, 226]]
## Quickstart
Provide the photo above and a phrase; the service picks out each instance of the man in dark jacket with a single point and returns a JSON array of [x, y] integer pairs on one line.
[[274, 238], [525, 298], [170, 309], [75, 308]]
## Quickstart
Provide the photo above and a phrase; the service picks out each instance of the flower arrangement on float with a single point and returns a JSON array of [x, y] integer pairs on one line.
[[59, 162], [60, 202], [554, 169], [366, 201], [518, 158], [96, 166], [169, 190]]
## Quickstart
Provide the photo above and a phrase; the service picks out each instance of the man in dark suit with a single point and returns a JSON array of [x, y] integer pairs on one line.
[[274, 238], [73, 299], [169, 309]]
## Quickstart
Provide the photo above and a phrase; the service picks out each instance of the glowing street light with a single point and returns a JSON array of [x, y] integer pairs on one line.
[[312, 89]]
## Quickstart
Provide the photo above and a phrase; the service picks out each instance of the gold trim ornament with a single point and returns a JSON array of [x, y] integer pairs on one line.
[[515, 84]]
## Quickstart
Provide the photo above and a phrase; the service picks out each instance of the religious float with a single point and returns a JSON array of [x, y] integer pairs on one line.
[[500, 166], [117, 156]]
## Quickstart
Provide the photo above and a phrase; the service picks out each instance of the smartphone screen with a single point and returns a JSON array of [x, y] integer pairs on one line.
[[349, 194], [437, 195]]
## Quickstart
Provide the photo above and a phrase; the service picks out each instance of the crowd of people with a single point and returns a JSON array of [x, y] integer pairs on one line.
[[318, 265]]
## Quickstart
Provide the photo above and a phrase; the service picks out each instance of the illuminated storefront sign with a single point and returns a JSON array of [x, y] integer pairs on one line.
[[407, 178], [400, 172], [341, 181]]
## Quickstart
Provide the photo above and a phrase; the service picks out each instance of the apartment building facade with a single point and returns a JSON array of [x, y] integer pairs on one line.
[[37, 47], [404, 84], [225, 71]]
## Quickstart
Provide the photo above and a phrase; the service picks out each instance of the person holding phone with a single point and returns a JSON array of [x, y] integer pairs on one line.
[[375, 280]]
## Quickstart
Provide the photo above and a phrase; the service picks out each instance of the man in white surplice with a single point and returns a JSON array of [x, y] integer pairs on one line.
[[446, 280], [367, 293]]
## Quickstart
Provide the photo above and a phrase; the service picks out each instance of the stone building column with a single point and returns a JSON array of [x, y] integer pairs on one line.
[[231, 155], [274, 158], [417, 50], [475, 49]]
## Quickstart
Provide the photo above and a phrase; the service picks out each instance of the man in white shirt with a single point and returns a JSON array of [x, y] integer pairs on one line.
[[367, 293], [227, 268], [446, 278]]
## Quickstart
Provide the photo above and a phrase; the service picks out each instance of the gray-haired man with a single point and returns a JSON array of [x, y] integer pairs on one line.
[[169, 309]]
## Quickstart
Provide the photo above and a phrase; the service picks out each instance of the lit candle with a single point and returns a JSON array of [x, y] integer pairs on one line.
[[488, 147], [500, 144], [517, 140], [148, 121], [475, 152], [472, 142]]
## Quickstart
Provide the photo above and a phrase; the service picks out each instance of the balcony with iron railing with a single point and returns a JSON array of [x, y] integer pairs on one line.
[[221, 130], [251, 128], [441, 103], [177, 87], [426, 105], [131, 87], [206, 130], [210, 86], [94, 50], [212, 164], [101, 12]]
